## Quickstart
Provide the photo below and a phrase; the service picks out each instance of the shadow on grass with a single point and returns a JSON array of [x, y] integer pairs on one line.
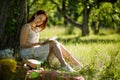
[[86, 41]]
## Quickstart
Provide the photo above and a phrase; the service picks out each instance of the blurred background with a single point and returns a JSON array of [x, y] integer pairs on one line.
[[90, 29]]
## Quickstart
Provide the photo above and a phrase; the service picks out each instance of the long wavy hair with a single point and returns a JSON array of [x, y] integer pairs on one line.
[[39, 12]]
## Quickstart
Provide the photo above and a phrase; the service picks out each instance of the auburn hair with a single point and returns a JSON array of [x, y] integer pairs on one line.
[[39, 12]]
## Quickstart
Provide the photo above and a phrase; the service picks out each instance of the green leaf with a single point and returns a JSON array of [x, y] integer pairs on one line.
[[34, 74]]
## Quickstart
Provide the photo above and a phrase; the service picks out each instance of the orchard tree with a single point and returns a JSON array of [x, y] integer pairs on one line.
[[105, 14], [72, 10]]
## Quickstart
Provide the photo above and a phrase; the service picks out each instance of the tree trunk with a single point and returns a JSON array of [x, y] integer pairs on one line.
[[95, 27], [85, 29], [12, 17], [63, 9]]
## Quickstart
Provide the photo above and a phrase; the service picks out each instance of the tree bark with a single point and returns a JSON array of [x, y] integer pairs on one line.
[[3, 18], [12, 17], [85, 29]]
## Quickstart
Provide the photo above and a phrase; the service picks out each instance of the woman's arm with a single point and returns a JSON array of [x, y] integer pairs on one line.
[[24, 38]]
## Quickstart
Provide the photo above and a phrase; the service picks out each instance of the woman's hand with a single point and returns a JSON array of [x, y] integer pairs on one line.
[[45, 42], [39, 43]]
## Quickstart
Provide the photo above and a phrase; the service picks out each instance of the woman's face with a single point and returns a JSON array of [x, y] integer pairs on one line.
[[40, 19]]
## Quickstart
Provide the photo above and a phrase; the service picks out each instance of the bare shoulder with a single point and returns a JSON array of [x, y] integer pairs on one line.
[[25, 27]]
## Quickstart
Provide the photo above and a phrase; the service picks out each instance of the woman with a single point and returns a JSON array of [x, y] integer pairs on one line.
[[32, 48]]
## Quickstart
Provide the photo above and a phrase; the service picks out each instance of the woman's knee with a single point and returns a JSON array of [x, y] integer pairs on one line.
[[54, 43]]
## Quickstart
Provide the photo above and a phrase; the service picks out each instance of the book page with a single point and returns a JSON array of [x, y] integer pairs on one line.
[[52, 38]]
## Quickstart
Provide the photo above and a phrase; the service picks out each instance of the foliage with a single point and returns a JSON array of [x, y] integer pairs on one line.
[[107, 13]]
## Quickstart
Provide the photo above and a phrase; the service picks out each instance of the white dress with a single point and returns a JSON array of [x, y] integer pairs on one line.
[[37, 52]]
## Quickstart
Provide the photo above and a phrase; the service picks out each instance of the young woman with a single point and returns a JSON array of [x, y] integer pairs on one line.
[[32, 48]]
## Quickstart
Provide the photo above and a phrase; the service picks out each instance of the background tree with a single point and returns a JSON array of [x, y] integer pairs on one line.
[[106, 16], [71, 14]]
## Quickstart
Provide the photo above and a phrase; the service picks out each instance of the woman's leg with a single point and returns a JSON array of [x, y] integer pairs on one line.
[[56, 50], [68, 56]]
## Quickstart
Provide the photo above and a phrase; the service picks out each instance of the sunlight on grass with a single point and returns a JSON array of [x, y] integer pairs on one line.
[[98, 53], [86, 52], [89, 46]]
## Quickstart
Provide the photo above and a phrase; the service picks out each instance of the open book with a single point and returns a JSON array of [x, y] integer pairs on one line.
[[50, 39]]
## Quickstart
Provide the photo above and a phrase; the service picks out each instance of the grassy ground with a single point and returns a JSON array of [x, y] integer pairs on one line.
[[98, 53]]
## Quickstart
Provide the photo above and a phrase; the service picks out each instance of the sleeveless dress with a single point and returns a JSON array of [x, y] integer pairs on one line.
[[37, 52]]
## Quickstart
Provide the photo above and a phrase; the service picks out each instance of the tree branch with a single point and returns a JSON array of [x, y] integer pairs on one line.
[[73, 22]]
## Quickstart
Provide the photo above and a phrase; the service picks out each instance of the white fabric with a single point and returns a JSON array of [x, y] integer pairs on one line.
[[33, 37], [37, 52]]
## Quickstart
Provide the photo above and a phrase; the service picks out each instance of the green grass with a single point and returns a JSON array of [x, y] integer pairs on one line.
[[99, 53]]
